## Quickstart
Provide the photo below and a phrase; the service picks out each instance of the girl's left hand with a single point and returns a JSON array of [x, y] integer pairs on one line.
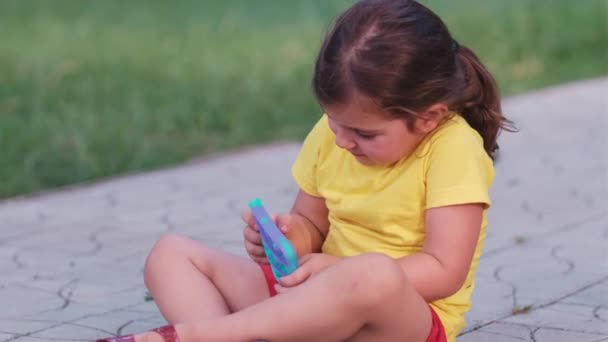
[[310, 265]]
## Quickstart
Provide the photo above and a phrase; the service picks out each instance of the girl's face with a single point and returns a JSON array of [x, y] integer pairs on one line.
[[371, 137]]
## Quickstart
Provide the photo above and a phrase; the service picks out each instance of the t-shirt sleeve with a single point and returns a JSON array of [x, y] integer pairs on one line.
[[304, 169], [459, 171]]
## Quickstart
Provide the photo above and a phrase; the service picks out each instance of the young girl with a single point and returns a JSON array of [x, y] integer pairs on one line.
[[390, 218]]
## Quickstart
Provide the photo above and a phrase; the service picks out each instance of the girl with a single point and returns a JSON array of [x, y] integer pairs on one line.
[[390, 218]]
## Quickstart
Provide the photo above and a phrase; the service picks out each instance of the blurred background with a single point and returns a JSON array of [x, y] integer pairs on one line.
[[91, 89]]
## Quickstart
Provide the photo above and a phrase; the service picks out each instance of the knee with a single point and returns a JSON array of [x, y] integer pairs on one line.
[[167, 246], [165, 252], [375, 278], [381, 273]]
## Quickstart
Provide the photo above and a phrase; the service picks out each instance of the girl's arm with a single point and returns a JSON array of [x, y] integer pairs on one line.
[[308, 223], [441, 268]]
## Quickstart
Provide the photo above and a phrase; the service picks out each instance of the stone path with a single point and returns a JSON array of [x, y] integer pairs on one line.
[[71, 261]]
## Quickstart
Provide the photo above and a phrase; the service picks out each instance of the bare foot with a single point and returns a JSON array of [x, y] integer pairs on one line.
[[149, 337], [162, 334]]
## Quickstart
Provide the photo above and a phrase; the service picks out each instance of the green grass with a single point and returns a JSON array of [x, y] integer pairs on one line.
[[90, 89]]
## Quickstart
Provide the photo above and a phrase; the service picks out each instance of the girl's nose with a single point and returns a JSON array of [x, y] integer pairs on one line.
[[343, 141]]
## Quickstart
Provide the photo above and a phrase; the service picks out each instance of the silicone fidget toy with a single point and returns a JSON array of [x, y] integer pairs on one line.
[[280, 252]]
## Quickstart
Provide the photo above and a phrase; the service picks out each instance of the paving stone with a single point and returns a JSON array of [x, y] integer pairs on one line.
[[566, 316], [594, 296], [18, 301], [561, 335], [498, 332], [69, 332], [5, 337], [540, 272], [21, 326], [501, 332]]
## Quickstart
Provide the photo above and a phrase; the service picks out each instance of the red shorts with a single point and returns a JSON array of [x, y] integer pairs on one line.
[[437, 333], [270, 280]]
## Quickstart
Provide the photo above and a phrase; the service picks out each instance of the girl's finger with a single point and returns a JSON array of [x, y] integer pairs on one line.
[[282, 221], [306, 258], [280, 289], [296, 278], [260, 260], [254, 250], [252, 236], [249, 219]]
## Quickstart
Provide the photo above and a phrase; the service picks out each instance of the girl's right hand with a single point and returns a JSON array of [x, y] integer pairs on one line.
[[253, 240]]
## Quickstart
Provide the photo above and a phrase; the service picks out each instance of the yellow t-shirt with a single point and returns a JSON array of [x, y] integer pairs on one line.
[[382, 209]]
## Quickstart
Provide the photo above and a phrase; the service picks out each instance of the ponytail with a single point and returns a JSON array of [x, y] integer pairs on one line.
[[480, 105]]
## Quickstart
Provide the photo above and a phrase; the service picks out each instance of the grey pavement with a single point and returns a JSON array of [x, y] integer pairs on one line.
[[71, 260]]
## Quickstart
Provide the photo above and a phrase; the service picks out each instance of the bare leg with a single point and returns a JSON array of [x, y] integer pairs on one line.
[[364, 298], [191, 282]]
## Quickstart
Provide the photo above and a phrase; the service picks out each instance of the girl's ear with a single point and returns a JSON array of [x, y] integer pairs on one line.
[[431, 118]]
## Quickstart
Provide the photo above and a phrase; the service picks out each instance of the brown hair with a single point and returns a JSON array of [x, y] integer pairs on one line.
[[402, 56]]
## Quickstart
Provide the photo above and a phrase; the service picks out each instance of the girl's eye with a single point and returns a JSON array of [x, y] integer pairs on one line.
[[366, 136]]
